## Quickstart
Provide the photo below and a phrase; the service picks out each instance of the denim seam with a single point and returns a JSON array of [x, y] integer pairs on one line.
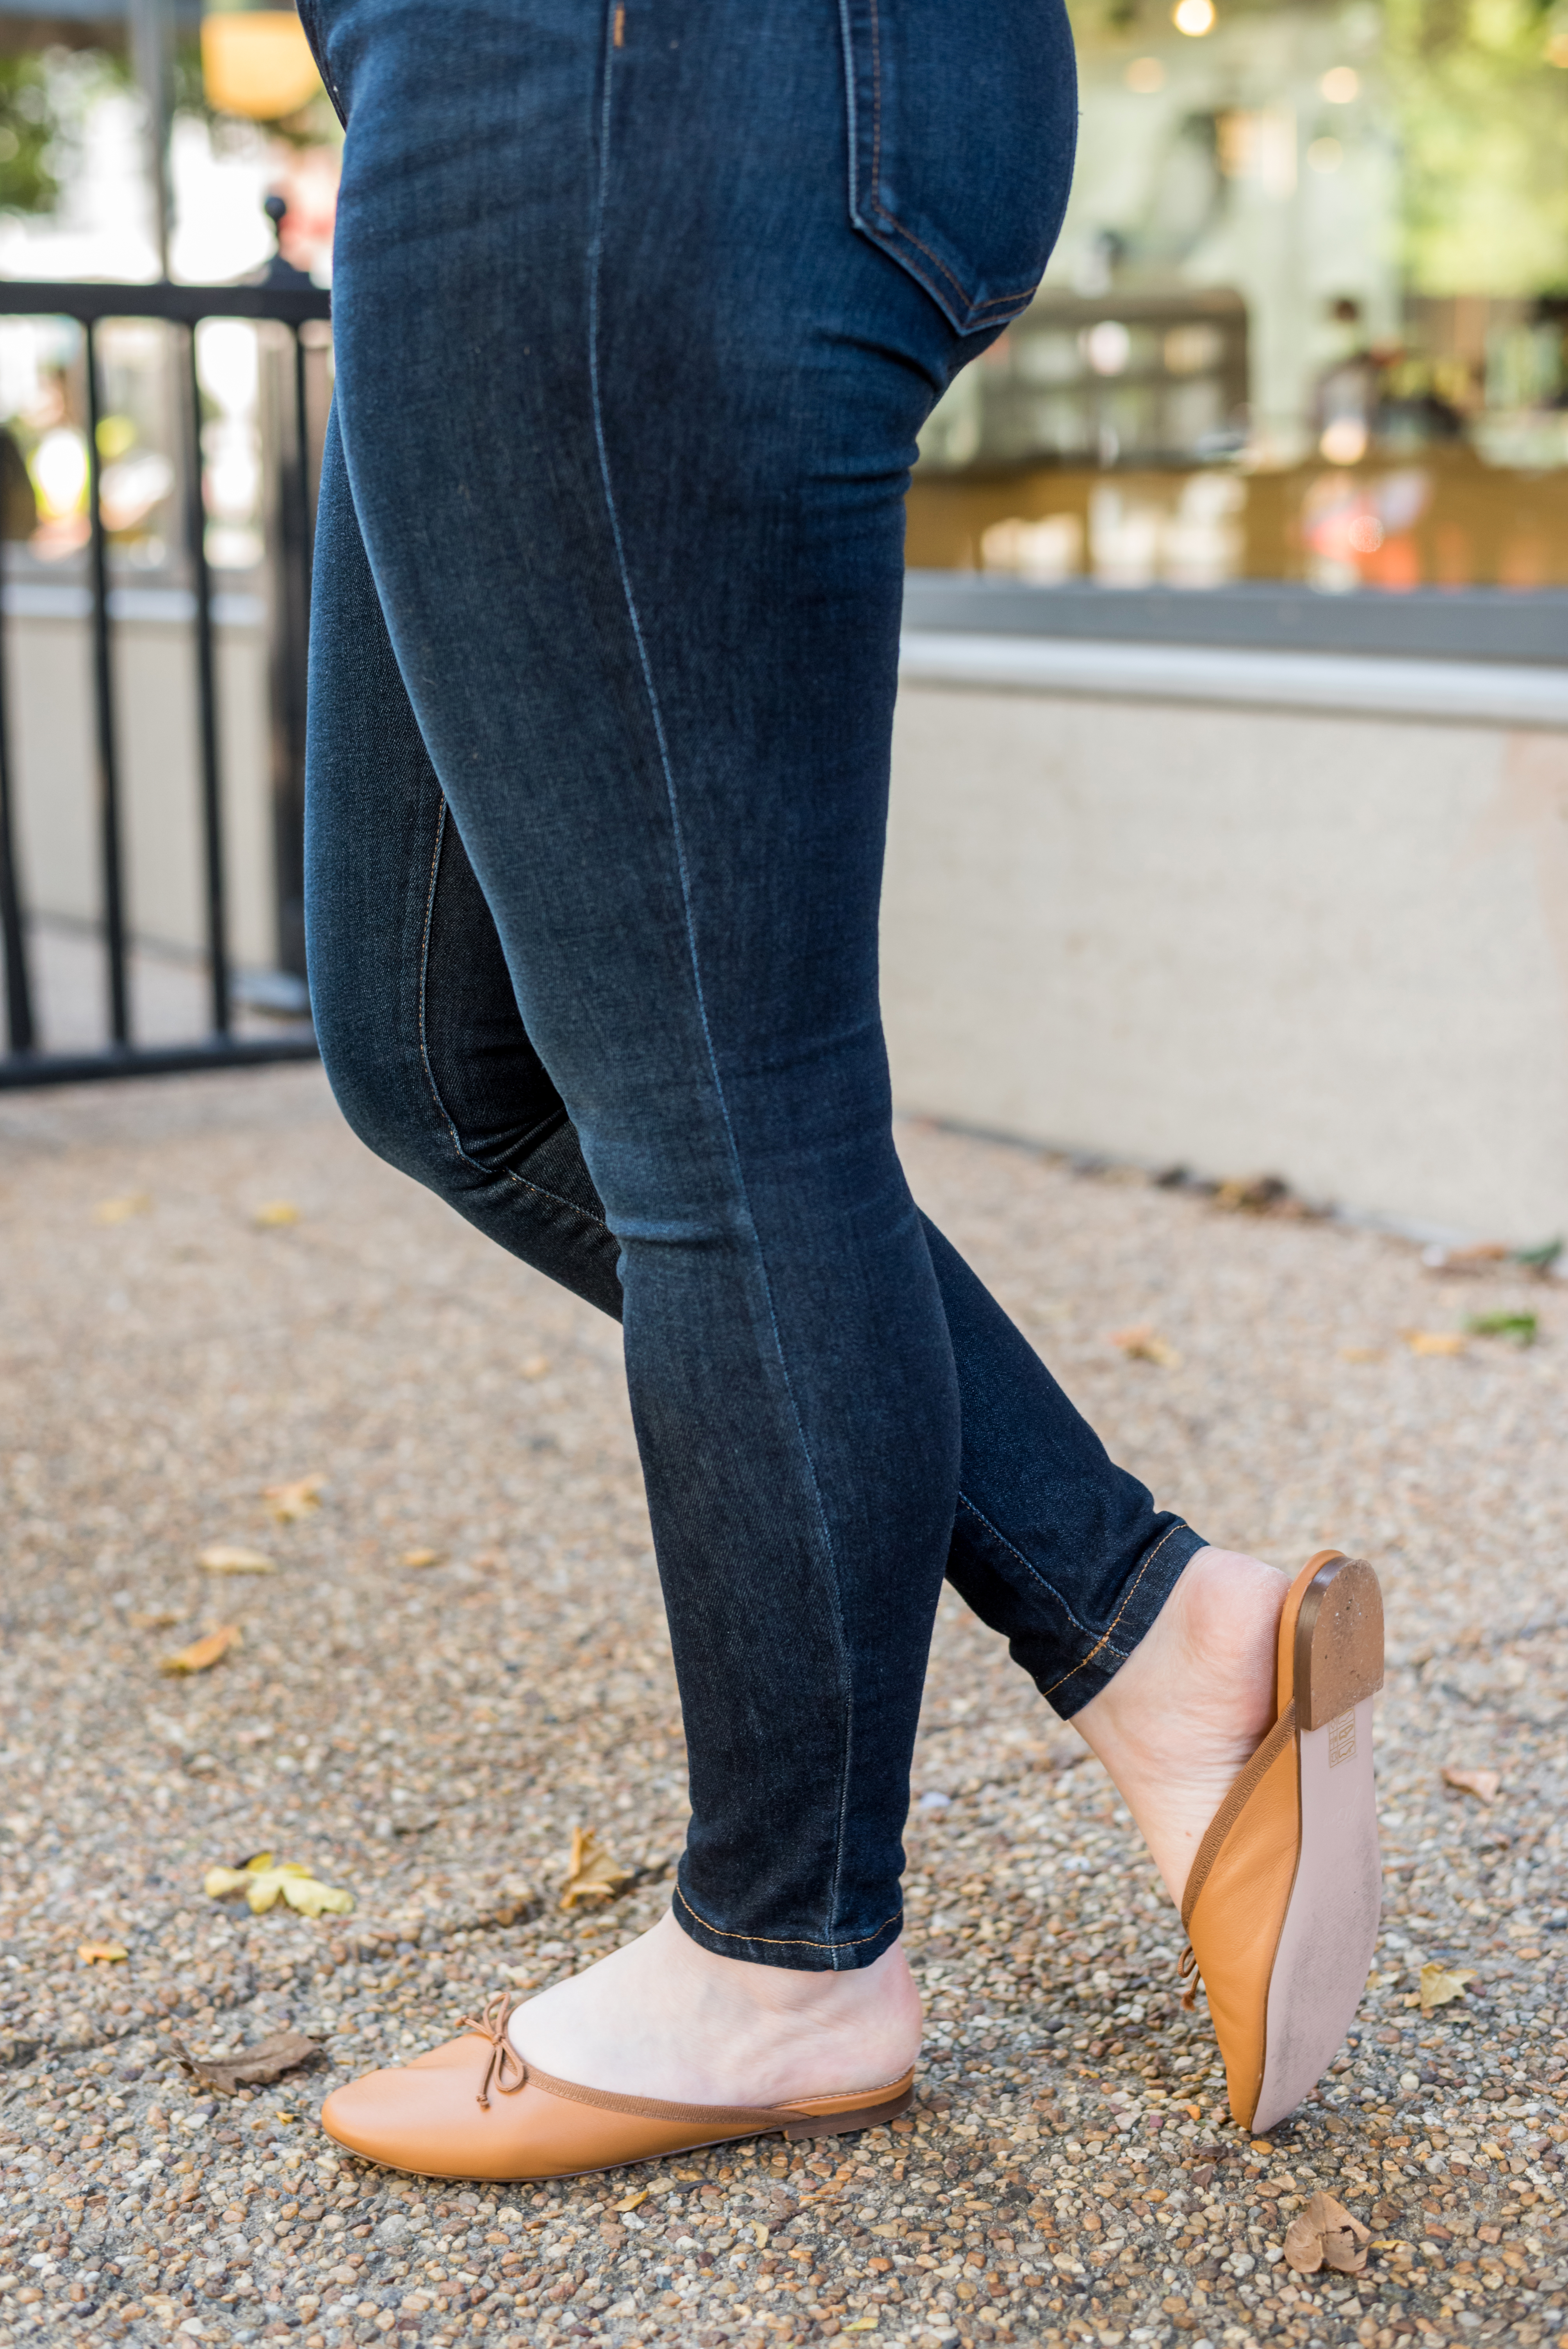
[[1026, 1563], [478, 1166], [1121, 1611], [773, 1941], [896, 226], [655, 714]]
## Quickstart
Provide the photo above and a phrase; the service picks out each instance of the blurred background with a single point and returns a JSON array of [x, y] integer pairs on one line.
[[1231, 793]]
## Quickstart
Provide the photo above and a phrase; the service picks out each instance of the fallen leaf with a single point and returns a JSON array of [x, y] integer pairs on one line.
[[262, 1884], [203, 1654], [1440, 1986], [274, 1213], [120, 1210], [1519, 1329], [592, 1874], [760, 2232], [1478, 1257], [421, 1558], [234, 1558], [1485, 1784], [1140, 1344], [1434, 1341], [632, 2200], [1325, 2234], [101, 1953], [1361, 1353], [536, 1366], [156, 1619], [1251, 1194], [252, 2067], [1541, 1259], [288, 1503]]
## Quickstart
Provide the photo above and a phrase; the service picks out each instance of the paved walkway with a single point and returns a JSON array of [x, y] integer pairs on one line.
[[430, 1736]]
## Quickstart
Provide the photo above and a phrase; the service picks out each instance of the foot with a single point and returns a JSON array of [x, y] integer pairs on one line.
[[663, 2017], [1190, 1704]]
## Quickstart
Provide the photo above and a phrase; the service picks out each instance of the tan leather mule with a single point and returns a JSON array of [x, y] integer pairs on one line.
[[1282, 1903], [436, 2116]]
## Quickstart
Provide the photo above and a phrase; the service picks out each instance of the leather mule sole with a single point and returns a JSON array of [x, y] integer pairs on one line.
[[1286, 1894], [438, 2117]]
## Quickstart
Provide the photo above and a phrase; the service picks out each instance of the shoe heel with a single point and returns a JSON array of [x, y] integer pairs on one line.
[[1338, 1654], [841, 2123]]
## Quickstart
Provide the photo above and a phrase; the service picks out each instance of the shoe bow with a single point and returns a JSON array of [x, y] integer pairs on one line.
[[505, 2068]]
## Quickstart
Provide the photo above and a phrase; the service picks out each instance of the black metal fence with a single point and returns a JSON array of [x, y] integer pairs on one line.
[[28, 1061]]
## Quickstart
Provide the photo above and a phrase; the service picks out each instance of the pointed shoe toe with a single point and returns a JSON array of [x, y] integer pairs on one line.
[[473, 2108], [1282, 1904]]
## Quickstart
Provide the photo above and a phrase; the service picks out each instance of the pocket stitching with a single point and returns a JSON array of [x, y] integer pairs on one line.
[[895, 227]]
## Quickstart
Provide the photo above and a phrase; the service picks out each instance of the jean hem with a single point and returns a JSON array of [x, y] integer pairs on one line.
[[800, 1952], [1153, 1581]]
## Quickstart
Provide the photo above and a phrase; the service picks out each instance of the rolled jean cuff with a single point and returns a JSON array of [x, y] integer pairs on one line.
[[801, 1955], [1149, 1586]]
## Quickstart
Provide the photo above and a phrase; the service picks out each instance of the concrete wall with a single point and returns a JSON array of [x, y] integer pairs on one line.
[[49, 681], [1328, 945]]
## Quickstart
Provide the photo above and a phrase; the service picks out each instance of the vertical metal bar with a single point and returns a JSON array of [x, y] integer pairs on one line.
[[103, 696], [290, 531], [18, 985], [207, 694]]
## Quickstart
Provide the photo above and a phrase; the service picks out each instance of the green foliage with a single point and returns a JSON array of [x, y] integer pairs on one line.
[[1482, 115], [28, 136]]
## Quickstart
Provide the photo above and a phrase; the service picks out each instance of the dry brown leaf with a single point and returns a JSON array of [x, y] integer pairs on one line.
[[1140, 1344], [1479, 1257], [1441, 1985], [102, 1953], [536, 1366], [592, 1874], [288, 1503], [1251, 1194], [252, 2067], [1361, 1353], [1484, 1784], [1434, 1341], [235, 1558], [1325, 2234], [203, 1654], [421, 1558], [156, 1619], [120, 1210], [274, 1213]]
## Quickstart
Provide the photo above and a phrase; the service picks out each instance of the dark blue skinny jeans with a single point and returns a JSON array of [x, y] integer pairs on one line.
[[638, 311]]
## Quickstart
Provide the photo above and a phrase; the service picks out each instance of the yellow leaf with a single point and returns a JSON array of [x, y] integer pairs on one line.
[[1440, 1986], [1361, 1353], [592, 1874], [120, 1210], [421, 1558], [1434, 1341], [1485, 1784], [861, 2325], [1140, 1344], [275, 1211], [203, 1654], [264, 1883], [101, 1953], [536, 1366], [235, 1558], [288, 1503], [632, 2200]]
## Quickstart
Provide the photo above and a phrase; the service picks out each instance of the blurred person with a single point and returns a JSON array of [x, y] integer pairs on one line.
[[638, 314]]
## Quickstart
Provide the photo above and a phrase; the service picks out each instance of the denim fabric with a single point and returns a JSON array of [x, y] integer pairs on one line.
[[633, 338]]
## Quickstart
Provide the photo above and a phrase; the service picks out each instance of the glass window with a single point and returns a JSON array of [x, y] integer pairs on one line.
[[1308, 320]]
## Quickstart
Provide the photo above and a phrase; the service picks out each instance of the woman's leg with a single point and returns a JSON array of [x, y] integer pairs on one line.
[[1052, 1545]]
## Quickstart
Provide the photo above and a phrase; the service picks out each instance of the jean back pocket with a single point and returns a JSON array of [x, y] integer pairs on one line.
[[963, 122]]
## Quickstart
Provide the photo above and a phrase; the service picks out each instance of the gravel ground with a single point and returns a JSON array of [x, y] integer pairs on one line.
[[430, 1736]]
